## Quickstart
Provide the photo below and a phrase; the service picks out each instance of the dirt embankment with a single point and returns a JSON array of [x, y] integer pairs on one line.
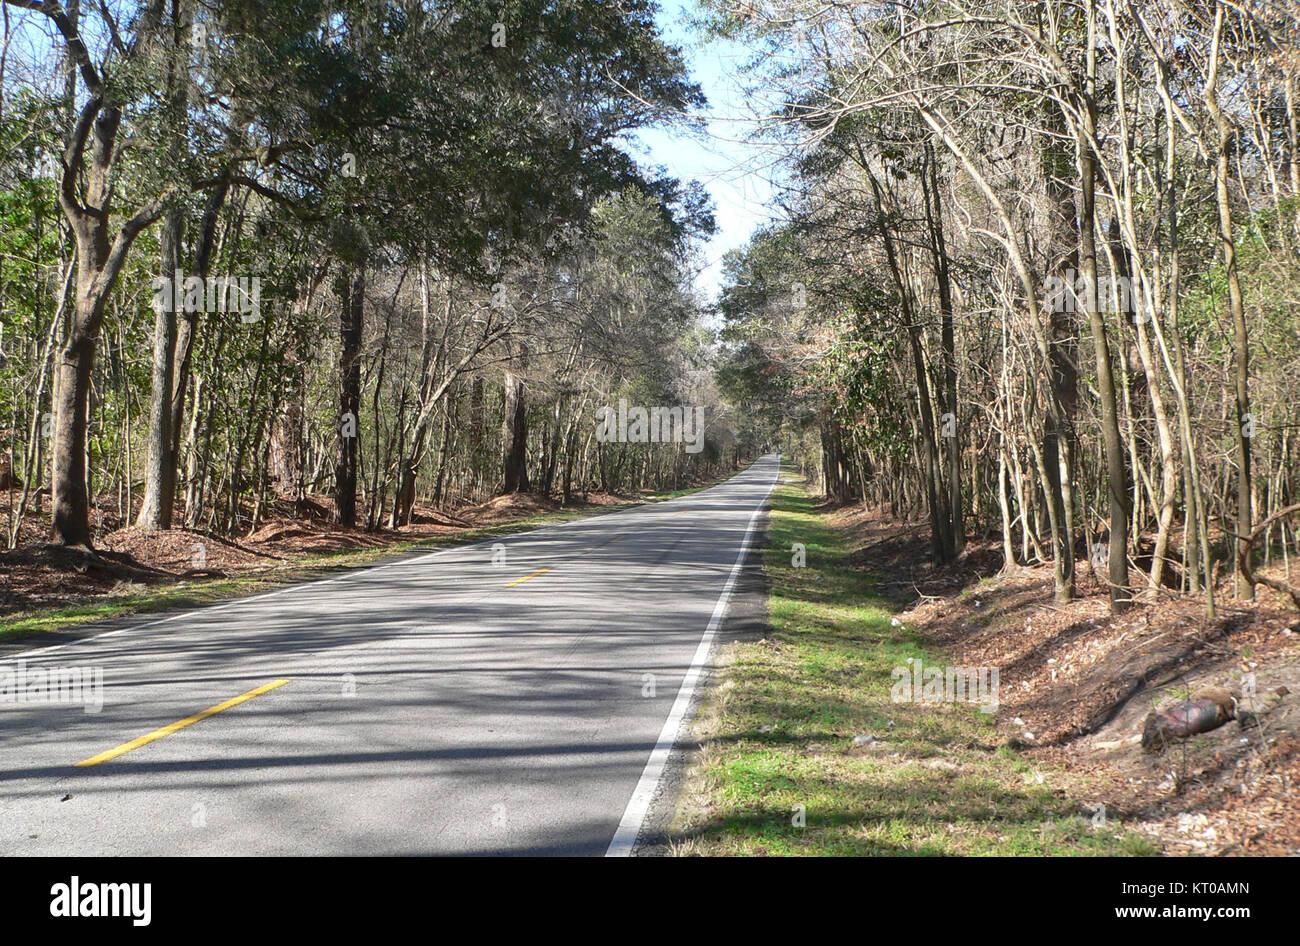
[[1079, 684]]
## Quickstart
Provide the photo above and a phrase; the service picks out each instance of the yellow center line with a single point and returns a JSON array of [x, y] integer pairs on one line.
[[520, 581], [180, 724]]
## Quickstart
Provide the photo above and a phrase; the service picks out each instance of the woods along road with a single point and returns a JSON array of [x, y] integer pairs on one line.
[[519, 695]]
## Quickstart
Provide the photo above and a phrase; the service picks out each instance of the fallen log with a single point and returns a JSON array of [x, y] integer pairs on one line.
[[1205, 710]]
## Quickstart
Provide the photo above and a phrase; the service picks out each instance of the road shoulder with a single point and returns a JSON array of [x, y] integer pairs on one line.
[[800, 747], [745, 622]]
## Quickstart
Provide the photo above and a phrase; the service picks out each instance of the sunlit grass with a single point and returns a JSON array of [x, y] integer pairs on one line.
[[780, 773]]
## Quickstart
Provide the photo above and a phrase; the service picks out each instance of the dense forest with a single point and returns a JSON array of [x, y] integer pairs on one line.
[[1034, 277], [369, 252], [1030, 275]]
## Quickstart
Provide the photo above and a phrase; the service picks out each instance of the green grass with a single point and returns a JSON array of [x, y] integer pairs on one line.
[[137, 599], [778, 727]]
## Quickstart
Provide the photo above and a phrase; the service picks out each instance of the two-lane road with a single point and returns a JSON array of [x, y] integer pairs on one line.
[[451, 702]]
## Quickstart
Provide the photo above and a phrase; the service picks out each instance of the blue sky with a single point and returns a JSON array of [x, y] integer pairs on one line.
[[727, 166]]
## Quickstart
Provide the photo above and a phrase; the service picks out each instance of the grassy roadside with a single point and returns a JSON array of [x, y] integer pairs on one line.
[[135, 599], [784, 736]]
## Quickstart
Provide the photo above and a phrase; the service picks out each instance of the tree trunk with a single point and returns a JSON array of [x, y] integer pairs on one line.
[[70, 499], [514, 437], [950, 428], [1241, 361], [1116, 474], [160, 471], [352, 289]]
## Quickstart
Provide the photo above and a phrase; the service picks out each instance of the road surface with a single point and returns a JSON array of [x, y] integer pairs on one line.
[[516, 696]]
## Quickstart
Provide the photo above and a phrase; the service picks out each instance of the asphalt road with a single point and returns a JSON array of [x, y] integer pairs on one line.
[[457, 702]]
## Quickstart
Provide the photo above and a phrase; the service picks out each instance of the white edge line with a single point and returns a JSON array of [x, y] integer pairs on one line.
[[351, 573], [638, 806]]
